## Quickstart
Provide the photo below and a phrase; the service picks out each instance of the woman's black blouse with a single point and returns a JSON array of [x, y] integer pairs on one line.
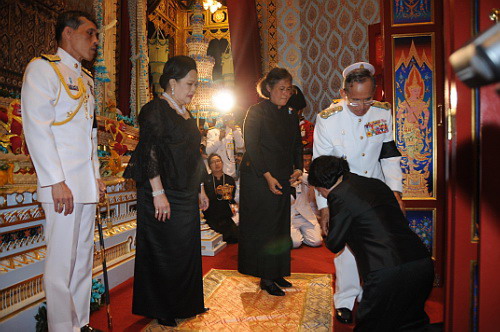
[[272, 141], [168, 146]]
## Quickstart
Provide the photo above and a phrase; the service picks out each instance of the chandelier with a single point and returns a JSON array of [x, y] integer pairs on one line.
[[213, 5]]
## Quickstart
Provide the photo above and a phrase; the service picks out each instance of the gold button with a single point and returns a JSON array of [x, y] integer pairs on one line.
[[76, 65], [361, 137], [363, 154], [366, 172], [359, 120]]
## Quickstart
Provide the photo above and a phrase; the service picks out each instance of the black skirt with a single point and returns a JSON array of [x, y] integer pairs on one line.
[[168, 274], [264, 241]]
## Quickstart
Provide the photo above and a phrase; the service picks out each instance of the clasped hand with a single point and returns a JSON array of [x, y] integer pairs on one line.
[[296, 178]]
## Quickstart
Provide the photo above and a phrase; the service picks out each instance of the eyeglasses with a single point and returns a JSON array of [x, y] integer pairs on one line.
[[364, 103]]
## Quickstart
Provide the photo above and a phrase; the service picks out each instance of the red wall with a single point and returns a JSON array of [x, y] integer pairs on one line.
[[461, 250], [472, 183], [489, 245]]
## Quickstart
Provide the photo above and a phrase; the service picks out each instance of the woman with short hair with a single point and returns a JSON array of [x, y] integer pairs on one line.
[[272, 161]]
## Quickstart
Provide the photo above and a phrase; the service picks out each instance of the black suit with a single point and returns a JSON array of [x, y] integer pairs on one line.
[[395, 265]]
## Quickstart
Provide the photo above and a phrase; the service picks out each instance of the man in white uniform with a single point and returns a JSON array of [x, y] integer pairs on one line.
[[358, 129], [304, 224], [61, 134], [226, 142]]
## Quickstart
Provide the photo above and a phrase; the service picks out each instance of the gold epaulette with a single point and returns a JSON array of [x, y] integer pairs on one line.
[[51, 57], [336, 101], [330, 111], [385, 105], [86, 71], [35, 58]]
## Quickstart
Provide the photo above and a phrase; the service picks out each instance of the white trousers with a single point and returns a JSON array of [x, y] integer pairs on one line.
[[304, 231], [347, 284], [68, 266]]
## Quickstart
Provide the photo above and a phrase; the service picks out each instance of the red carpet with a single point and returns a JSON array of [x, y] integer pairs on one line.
[[304, 259]]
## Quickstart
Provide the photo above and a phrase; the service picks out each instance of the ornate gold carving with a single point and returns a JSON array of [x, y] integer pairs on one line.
[[16, 261], [112, 253], [20, 295], [21, 215]]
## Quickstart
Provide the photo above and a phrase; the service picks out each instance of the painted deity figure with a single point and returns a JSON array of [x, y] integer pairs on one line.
[[415, 135]]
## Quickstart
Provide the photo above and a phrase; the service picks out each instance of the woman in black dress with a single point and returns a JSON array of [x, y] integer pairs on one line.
[[220, 189], [272, 161], [168, 169]]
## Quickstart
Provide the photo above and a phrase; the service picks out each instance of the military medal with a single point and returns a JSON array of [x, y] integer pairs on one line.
[[377, 127]]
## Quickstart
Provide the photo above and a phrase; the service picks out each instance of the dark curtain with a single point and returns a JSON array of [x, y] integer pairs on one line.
[[125, 66], [245, 46]]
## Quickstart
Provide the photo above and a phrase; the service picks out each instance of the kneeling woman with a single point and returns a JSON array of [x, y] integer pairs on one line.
[[220, 189]]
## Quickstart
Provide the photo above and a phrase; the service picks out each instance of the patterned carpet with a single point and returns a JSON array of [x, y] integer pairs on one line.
[[237, 304]]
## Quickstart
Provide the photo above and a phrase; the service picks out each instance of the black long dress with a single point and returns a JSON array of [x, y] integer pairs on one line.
[[273, 144], [219, 214], [168, 274]]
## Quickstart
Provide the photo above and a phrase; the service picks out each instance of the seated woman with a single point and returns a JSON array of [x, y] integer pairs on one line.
[[220, 189]]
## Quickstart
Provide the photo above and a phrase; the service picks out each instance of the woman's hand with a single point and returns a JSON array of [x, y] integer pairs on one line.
[[295, 178], [203, 200], [273, 184], [162, 207]]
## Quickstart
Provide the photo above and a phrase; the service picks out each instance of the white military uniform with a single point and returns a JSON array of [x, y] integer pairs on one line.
[[58, 122], [304, 224], [225, 147], [359, 140]]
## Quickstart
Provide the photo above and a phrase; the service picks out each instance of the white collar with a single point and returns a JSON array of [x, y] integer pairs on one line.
[[69, 61]]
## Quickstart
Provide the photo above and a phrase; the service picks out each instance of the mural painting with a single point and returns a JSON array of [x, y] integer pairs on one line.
[[412, 12], [414, 104], [422, 223]]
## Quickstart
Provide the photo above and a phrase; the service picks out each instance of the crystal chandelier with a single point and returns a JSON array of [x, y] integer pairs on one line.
[[213, 5]]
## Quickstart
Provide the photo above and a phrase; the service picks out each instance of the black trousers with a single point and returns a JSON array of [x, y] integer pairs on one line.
[[394, 298]]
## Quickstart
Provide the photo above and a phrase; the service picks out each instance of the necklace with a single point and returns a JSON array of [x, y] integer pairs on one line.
[[215, 189], [180, 110]]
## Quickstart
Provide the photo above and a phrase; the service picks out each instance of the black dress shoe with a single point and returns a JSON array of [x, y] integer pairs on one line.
[[344, 315], [88, 328], [167, 322], [271, 288], [282, 282]]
